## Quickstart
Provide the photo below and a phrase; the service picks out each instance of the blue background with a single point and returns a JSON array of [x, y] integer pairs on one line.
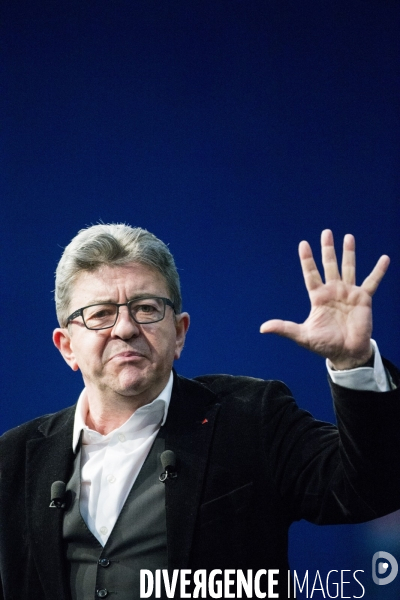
[[232, 130]]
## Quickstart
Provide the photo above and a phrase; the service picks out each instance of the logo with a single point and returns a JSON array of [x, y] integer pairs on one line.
[[381, 561]]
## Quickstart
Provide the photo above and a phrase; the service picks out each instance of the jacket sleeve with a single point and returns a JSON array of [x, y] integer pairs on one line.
[[328, 474]]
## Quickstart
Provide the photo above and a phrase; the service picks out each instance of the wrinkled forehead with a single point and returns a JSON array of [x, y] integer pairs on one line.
[[117, 283]]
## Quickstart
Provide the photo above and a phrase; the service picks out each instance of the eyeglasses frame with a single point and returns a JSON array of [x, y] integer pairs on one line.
[[79, 312]]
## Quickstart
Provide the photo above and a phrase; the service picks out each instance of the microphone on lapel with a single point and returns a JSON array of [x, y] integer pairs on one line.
[[168, 461], [57, 495]]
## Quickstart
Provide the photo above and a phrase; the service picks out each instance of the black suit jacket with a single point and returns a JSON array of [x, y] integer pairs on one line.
[[250, 462]]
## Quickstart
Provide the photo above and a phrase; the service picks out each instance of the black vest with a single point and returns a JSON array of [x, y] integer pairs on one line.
[[137, 541]]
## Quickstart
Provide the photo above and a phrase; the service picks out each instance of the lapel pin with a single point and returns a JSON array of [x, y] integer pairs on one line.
[[204, 421]]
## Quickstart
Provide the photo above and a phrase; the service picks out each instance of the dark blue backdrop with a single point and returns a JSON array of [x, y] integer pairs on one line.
[[232, 130]]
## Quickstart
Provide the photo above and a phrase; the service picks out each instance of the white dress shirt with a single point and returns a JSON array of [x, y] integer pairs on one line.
[[110, 463]]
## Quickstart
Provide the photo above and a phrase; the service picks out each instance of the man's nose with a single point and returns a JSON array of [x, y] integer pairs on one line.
[[125, 326]]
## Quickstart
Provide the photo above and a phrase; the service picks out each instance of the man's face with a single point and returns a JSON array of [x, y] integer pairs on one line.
[[127, 360]]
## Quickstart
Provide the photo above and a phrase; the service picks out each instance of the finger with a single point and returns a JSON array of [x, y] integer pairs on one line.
[[349, 259], [370, 283], [286, 329], [311, 275], [329, 260]]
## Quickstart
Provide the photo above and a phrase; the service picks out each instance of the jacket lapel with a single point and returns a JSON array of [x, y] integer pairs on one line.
[[49, 458], [189, 428]]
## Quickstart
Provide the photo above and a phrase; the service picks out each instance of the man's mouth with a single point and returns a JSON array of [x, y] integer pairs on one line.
[[128, 354]]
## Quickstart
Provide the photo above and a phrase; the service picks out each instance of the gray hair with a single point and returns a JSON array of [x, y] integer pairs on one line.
[[113, 244]]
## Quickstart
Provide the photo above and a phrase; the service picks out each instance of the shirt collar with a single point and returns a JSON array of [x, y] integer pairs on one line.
[[82, 408]]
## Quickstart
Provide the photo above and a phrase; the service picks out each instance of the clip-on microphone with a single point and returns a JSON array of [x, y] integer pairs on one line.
[[168, 461], [57, 495]]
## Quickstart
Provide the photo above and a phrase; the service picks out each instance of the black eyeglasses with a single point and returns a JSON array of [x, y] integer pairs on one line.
[[146, 309]]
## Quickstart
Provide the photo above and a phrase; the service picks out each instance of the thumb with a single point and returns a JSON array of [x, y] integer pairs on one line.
[[286, 329]]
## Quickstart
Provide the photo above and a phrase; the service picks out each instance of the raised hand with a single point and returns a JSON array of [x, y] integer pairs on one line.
[[339, 325]]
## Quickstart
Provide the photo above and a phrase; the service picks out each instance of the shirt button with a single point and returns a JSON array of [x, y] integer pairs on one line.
[[111, 479], [101, 593], [103, 530], [121, 437], [104, 562]]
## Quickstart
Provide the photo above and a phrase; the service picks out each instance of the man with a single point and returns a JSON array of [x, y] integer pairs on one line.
[[243, 463]]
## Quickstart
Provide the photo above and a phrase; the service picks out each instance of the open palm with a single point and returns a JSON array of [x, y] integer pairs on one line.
[[339, 325]]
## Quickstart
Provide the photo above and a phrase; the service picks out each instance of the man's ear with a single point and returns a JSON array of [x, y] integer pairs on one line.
[[182, 322], [62, 340]]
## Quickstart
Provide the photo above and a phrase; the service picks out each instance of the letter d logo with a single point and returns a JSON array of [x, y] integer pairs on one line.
[[380, 568]]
